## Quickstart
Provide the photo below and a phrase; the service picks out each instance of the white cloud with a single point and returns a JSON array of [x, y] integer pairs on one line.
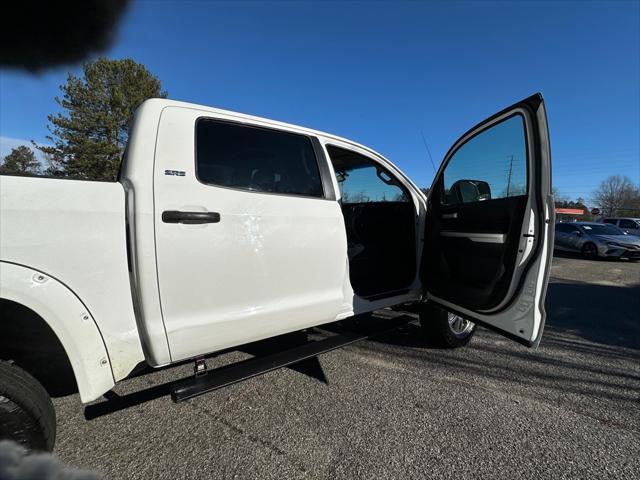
[[8, 143]]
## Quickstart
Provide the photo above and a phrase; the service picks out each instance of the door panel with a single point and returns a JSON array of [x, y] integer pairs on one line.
[[261, 251], [476, 273], [382, 253], [488, 240]]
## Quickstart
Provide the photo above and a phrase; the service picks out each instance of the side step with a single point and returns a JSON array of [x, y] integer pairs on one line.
[[221, 377]]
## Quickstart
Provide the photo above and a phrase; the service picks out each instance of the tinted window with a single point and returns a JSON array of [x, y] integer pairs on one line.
[[256, 159], [602, 229], [610, 220], [492, 164], [362, 181], [563, 227], [628, 224]]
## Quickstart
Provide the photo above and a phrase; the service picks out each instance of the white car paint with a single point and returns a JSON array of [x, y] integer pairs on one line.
[[201, 308], [275, 264], [285, 253], [70, 320], [74, 231]]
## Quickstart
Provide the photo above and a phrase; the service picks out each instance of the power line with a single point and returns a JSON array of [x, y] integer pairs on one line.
[[424, 140], [509, 177]]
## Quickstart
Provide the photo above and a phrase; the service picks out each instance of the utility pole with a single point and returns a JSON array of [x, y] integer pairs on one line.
[[510, 170]]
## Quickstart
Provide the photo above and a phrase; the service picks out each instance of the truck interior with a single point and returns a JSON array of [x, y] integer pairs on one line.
[[380, 222], [473, 270], [475, 217]]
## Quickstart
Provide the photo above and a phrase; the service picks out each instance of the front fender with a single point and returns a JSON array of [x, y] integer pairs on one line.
[[69, 319]]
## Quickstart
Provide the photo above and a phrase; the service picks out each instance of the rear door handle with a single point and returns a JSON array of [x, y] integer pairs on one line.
[[190, 218]]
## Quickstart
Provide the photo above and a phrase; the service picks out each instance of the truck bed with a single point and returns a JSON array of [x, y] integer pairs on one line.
[[75, 232]]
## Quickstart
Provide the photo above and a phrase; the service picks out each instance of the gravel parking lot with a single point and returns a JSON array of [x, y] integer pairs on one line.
[[396, 407]]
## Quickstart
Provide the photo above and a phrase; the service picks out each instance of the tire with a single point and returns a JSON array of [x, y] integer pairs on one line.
[[27, 415], [589, 250], [444, 328]]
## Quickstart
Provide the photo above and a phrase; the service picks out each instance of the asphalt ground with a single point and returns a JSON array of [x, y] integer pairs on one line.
[[397, 407]]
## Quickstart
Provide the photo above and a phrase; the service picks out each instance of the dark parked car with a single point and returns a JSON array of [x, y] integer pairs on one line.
[[596, 240]]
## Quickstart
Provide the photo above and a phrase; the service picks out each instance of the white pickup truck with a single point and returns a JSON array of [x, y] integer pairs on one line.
[[224, 229]]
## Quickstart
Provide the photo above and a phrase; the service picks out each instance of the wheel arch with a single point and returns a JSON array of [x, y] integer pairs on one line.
[[50, 301]]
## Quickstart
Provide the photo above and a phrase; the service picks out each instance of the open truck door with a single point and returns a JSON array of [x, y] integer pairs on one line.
[[489, 224]]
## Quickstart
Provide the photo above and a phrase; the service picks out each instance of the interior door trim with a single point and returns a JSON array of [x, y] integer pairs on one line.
[[477, 237]]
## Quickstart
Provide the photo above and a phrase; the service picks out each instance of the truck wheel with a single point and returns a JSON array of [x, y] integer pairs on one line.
[[444, 328], [27, 415]]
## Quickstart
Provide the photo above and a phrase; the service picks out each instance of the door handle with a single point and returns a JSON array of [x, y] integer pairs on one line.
[[190, 218]]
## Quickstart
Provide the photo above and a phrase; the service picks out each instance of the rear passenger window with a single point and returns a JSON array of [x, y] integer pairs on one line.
[[610, 220], [256, 159]]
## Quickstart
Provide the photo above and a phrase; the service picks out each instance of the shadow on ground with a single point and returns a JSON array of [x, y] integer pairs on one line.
[[589, 328], [605, 314], [590, 350]]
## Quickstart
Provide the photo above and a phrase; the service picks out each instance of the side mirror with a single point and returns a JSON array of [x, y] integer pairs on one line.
[[577, 232], [341, 176], [465, 191]]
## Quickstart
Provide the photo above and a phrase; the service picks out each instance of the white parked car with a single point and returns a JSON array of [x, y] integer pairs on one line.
[[224, 229]]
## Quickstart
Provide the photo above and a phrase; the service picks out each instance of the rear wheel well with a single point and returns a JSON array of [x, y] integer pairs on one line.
[[29, 342]]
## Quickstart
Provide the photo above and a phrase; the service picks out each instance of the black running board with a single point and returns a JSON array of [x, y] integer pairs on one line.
[[221, 377]]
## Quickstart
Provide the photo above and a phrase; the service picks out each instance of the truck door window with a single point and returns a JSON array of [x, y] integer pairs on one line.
[[256, 159], [491, 165]]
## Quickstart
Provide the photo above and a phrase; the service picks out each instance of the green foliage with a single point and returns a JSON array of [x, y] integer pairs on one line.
[[21, 161], [90, 136]]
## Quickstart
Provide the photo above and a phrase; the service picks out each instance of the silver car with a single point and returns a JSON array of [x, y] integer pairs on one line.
[[628, 224], [596, 240]]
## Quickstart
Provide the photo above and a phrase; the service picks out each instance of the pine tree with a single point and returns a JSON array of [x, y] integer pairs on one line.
[[90, 136], [21, 161]]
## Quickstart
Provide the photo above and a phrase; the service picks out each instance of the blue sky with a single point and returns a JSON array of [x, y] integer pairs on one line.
[[382, 72]]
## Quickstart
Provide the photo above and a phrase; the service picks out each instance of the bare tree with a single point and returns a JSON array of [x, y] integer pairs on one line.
[[617, 195], [558, 195]]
